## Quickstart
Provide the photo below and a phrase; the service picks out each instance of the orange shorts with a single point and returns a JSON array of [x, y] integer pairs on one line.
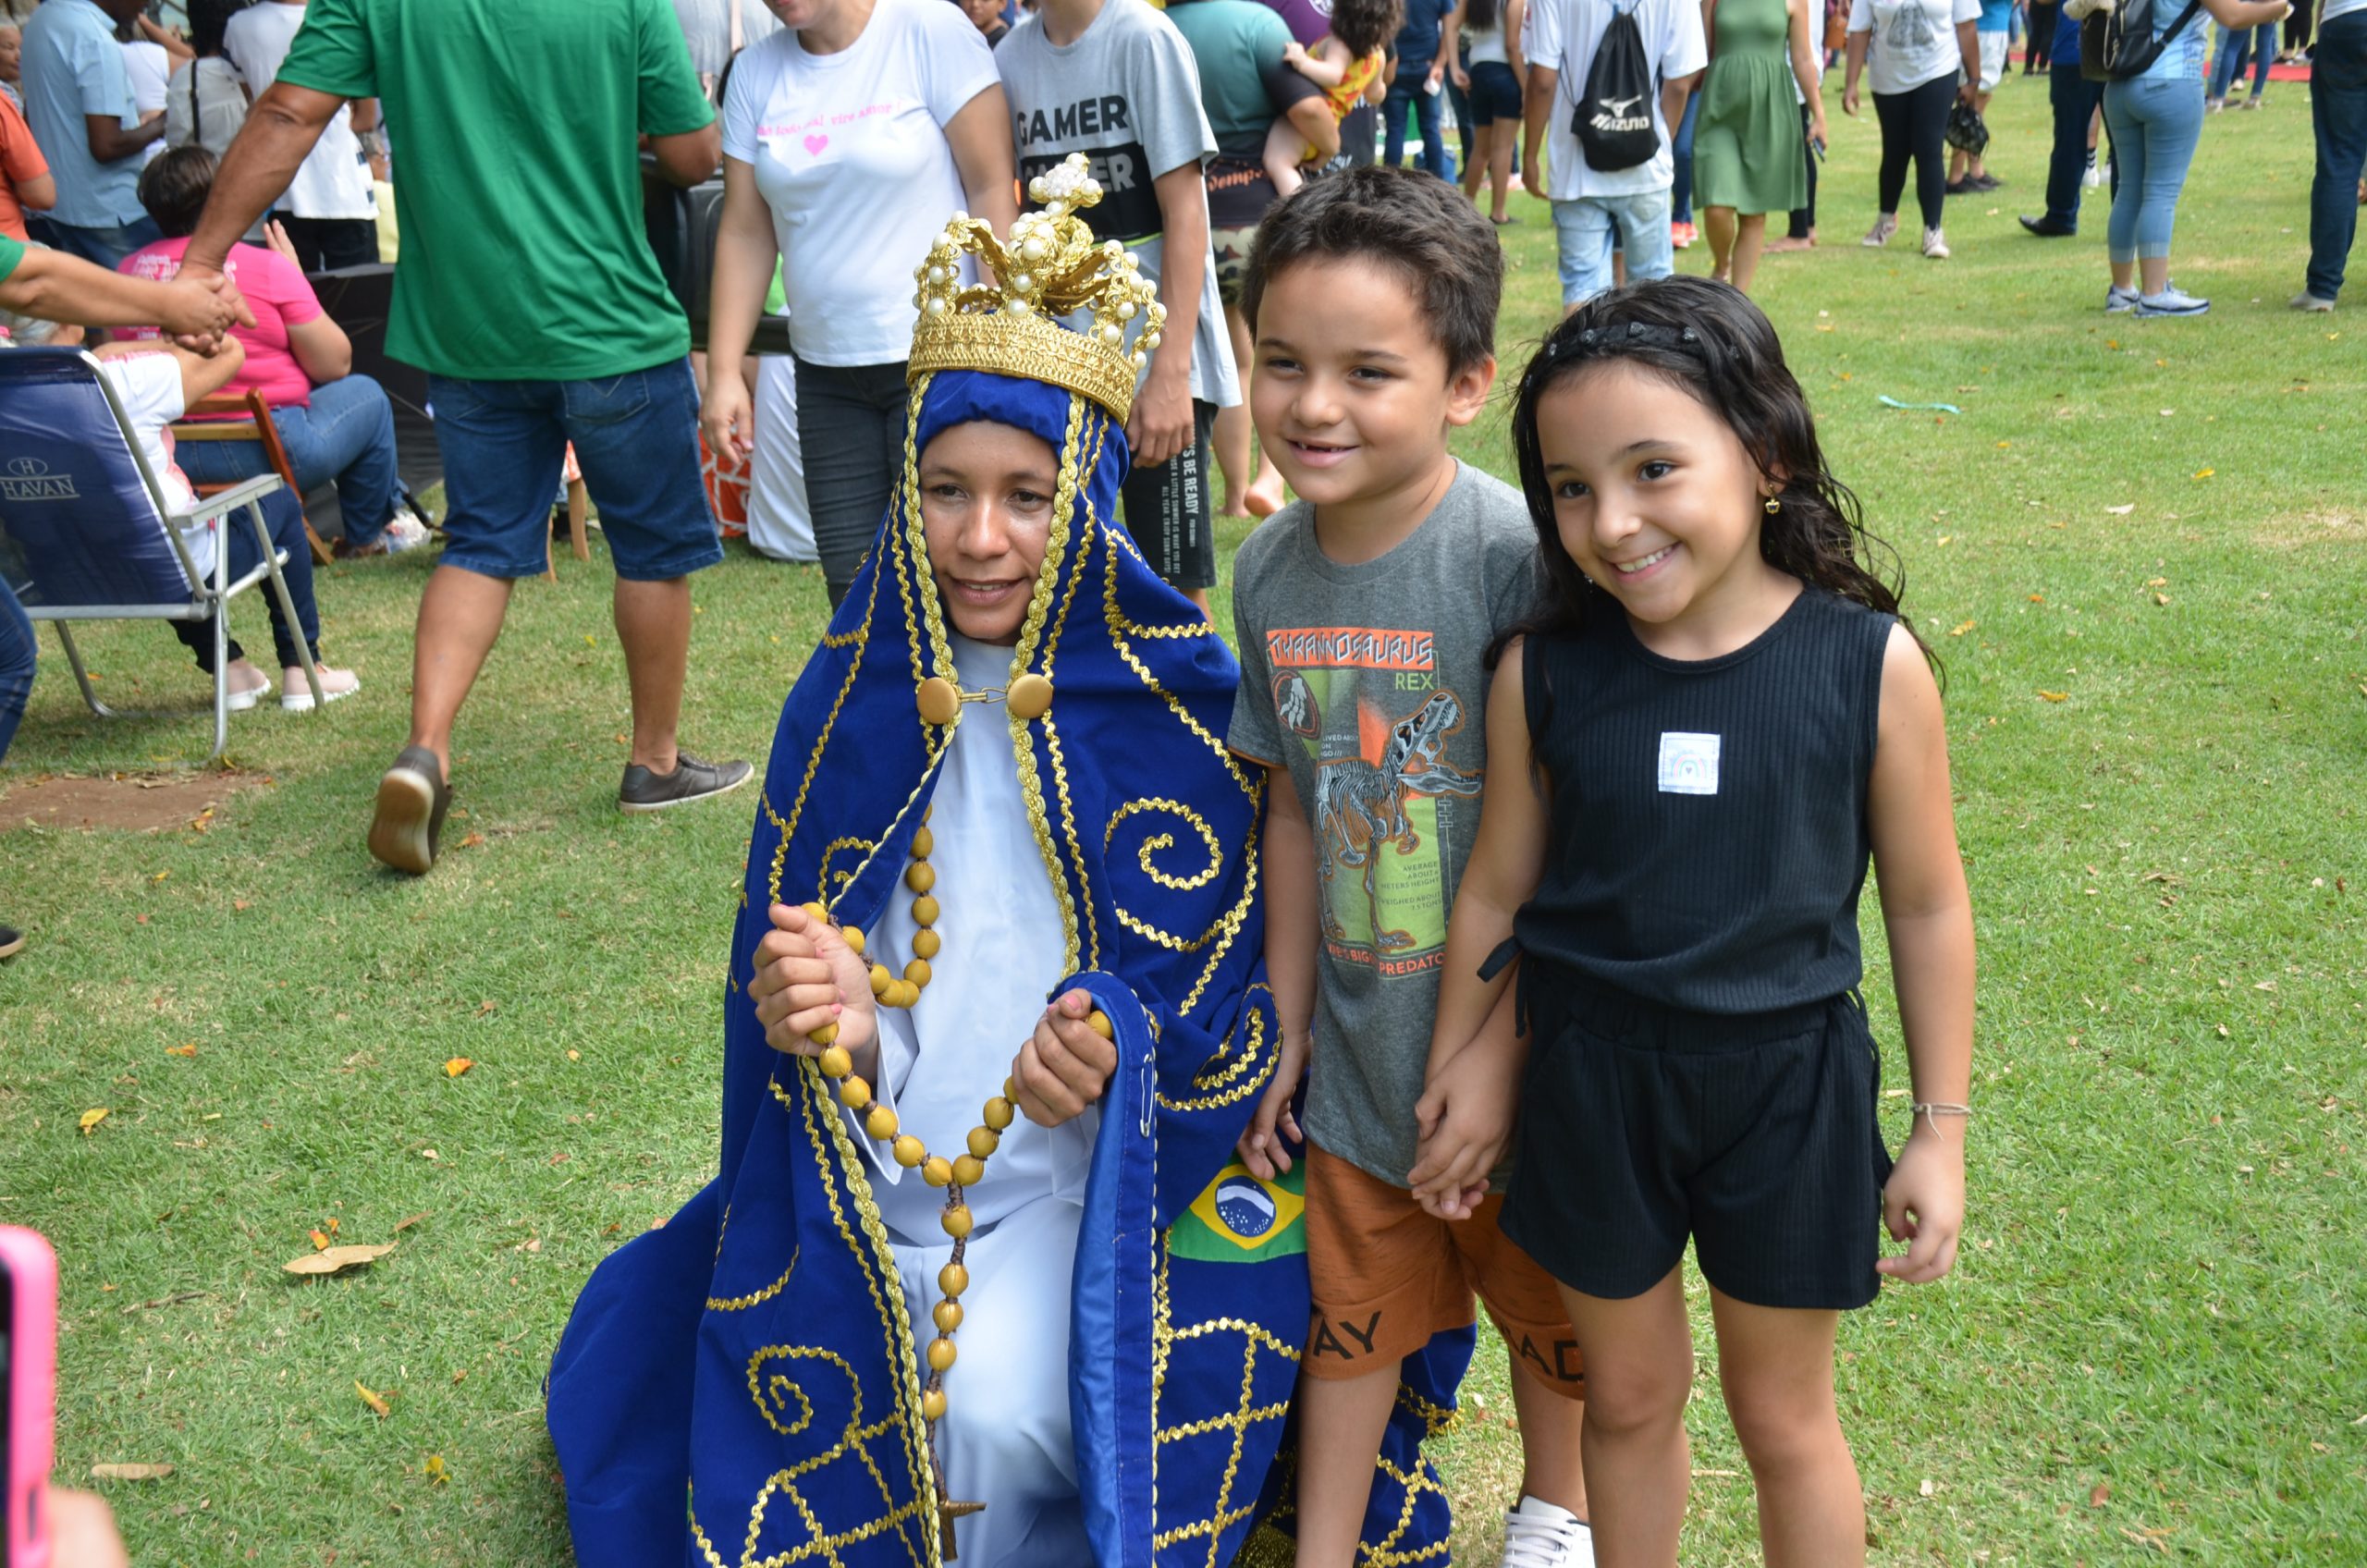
[[1387, 1276]]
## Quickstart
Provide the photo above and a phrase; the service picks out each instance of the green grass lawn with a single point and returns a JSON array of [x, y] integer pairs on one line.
[[2139, 548]]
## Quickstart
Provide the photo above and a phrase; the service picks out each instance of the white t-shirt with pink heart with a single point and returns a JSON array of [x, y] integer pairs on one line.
[[850, 154]]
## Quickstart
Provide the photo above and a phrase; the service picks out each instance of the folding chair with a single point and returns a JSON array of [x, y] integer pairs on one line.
[[202, 423], [81, 503]]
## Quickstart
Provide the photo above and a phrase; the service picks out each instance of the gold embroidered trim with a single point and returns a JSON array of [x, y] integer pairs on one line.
[[742, 1304], [1031, 634]]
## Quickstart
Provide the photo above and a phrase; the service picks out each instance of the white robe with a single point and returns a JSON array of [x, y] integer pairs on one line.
[[780, 524], [1005, 1440]]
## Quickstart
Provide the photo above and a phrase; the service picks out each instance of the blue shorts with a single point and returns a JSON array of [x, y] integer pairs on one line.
[[1494, 93], [636, 440]]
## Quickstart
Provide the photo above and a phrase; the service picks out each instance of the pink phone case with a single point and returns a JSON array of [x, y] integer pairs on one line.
[[31, 1270]]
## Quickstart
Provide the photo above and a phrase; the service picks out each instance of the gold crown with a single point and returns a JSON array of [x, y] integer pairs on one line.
[[1049, 268]]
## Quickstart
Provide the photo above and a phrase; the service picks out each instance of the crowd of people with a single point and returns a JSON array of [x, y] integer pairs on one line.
[[1045, 275]]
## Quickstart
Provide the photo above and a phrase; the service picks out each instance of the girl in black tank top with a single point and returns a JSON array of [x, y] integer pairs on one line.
[[1722, 718]]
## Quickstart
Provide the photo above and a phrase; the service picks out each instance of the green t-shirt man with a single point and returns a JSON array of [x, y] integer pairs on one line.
[[516, 179]]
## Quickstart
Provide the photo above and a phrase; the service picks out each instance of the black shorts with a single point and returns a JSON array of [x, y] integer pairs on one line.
[[1755, 1134], [1494, 93], [1167, 510]]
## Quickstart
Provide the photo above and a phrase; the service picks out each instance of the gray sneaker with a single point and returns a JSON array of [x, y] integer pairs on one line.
[[2171, 301], [2305, 300], [691, 780], [2119, 301]]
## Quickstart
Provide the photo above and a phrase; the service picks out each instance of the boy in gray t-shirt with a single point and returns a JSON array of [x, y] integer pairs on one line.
[[1365, 613], [1115, 80]]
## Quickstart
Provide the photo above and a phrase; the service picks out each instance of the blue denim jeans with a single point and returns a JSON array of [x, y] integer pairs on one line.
[[100, 247], [283, 519], [2339, 114], [1681, 193], [2156, 123], [636, 439], [1591, 227], [2257, 42], [16, 665], [348, 435], [2076, 100], [1408, 93]]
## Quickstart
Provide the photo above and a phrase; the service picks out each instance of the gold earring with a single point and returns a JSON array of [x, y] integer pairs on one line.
[[1774, 504]]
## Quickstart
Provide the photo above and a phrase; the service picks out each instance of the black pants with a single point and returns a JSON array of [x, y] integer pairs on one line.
[[2041, 48], [851, 421], [285, 519], [1914, 125], [2076, 100], [1804, 218], [326, 244]]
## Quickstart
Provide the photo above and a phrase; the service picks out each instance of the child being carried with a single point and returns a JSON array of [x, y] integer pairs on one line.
[[1347, 63]]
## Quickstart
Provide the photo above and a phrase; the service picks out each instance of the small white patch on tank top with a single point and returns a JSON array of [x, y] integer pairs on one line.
[[1688, 763]]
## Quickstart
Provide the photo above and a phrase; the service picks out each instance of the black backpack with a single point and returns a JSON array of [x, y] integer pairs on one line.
[[1613, 121], [2119, 44]]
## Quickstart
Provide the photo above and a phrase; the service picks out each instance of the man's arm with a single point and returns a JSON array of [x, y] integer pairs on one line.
[[110, 144], [692, 157], [281, 128], [1161, 425], [1673, 97], [56, 287], [1536, 105]]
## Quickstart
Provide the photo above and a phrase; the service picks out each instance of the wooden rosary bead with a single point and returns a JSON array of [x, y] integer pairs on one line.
[[835, 1063], [938, 1171], [967, 1169], [999, 1113], [853, 937], [825, 1034], [924, 844], [853, 1092], [880, 979], [953, 1278], [920, 876], [926, 943], [941, 1355], [933, 1405], [1099, 1021], [910, 1151], [918, 973], [955, 1220], [948, 1315], [881, 1124], [983, 1141], [925, 911]]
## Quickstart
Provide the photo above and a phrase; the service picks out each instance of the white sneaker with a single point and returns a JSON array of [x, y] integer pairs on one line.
[[1879, 236], [404, 531], [296, 695], [1936, 245], [1538, 1535], [2119, 301], [2305, 300], [2097, 174], [2171, 301]]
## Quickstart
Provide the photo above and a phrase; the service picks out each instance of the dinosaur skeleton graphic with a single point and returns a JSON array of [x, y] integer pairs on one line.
[[1360, 806]]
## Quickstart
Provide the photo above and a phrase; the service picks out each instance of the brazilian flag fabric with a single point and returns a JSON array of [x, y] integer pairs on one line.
[[1243, 1219]]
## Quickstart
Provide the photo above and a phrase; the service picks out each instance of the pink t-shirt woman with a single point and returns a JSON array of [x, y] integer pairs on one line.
[[278, 344]]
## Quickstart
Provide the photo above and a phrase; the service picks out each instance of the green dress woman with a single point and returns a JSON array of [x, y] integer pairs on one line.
[[1748, 157]]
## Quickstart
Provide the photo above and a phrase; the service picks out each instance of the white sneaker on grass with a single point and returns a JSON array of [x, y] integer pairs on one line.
[[1879, 236], [1936, 245], [404, 531], [1538, 1535], [2171, 301], [2305, 300], [2119, 301]]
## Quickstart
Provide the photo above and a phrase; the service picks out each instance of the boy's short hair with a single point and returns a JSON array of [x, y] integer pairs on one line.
[[1410, 221]]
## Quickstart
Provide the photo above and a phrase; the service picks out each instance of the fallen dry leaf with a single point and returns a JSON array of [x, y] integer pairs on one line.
[[1960, 628], [2099, 1494], [2161, 598], [130, 1472], [2204, 473], [457, 1066], [242, 905], [434, 1470], [473, 841], [320, 1240], [406, 1222], [91, 1120], [2056, 696], [374, 1399], [189, 1048], [1928, 1487], [335, 1260], [2122, 512]]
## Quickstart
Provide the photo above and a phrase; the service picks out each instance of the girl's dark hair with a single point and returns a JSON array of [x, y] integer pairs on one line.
[[207, 21], [1709, 340], [174, 189], [1479, 15], [1364, 25]]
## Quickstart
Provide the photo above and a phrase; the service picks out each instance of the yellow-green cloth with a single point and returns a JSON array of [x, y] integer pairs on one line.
[[1747, 151]]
